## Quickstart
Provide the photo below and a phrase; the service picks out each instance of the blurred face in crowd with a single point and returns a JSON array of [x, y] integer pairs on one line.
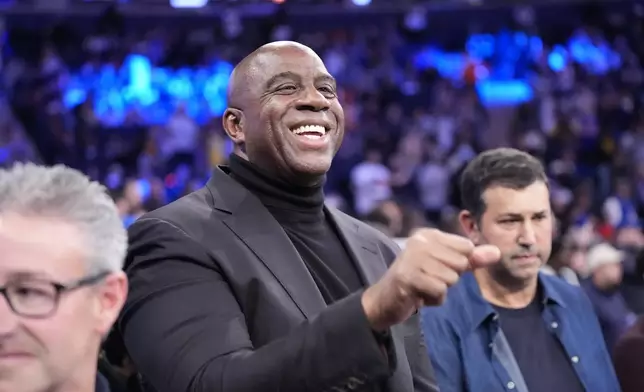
[[520, 223], [44, 347], [285, 111], [608, 276], [623, 188]]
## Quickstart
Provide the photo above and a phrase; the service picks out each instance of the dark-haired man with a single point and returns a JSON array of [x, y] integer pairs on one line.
[[507, 327], [252, 284]]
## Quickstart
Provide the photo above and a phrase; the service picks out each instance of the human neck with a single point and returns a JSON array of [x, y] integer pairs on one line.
[[82, 380], [513, 295], [275, 192]]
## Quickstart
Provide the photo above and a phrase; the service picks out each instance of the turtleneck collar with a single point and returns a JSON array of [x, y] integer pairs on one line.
[[276, 194]]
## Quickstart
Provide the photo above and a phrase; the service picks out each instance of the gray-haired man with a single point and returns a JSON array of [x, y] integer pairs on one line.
[[62, 246]]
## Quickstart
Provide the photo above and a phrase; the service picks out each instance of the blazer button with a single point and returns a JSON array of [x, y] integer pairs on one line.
[[511, 385]]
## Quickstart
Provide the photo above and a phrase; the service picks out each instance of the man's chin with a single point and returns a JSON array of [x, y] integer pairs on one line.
[[525, 272], [28, 377], [310, 167]]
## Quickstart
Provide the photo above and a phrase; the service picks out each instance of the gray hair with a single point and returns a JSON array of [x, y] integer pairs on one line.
[[67, 194]]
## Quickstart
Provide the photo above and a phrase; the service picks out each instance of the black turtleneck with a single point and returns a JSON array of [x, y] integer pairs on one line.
[[300, 212]]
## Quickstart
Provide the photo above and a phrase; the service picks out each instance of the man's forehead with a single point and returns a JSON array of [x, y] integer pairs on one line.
[[292, 60], [532, 199], [39, 246]]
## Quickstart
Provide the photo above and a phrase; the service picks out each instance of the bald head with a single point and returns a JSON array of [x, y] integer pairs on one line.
[[245, 70], [283, 112]]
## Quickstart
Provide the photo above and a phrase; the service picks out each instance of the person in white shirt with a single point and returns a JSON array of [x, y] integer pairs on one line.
[[182, 139], [433, 181], [370, 181]]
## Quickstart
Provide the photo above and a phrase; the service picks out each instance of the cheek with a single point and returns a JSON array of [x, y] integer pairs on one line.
[[504, 239], [58, 349]]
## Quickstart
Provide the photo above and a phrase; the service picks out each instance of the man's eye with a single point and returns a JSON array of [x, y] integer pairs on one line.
[[31, 292], [286, 88]]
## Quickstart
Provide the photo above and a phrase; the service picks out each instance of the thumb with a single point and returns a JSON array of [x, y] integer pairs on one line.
[[484, 255]]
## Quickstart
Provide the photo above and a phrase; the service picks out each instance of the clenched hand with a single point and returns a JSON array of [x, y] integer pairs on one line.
[[431, 262]]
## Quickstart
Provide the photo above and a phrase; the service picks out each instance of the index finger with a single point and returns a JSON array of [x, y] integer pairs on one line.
[[483, 256], [458, 243]]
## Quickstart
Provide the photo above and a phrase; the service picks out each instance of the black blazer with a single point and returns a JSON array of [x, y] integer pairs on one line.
[[220, 301]]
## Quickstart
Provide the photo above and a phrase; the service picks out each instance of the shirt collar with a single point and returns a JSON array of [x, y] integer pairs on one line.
[[102, 385], [481, 311]]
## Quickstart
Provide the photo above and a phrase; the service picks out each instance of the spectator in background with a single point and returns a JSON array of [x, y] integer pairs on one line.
[[602, 287], [181, 141], [620, 208], [129, 200], [433, 183], [560, 261], [632, 287], [507, 326], [61, 284], [370, 182], [627, 357]]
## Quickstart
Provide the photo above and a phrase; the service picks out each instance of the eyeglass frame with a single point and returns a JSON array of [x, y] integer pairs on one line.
[[59, 289]]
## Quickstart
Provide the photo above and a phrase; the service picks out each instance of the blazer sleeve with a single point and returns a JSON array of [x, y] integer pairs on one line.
[[442, 346], [415, 347], [185, 331]]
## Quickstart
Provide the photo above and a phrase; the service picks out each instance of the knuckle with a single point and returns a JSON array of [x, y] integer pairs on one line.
[[414, 241], [461, 264], [428, 233], [452, 277], [441, 288], [466, 244]]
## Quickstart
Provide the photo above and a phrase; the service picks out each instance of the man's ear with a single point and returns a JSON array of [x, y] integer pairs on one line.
[[469, 225], [233, 123]]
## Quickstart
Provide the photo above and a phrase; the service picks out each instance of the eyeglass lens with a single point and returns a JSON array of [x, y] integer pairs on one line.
[[32, 298]]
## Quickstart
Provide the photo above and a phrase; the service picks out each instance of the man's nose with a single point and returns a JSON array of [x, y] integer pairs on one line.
[[312, 99], [528, 236], [8, 319]]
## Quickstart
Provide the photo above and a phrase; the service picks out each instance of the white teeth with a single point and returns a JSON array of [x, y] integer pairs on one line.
[[312, 131]]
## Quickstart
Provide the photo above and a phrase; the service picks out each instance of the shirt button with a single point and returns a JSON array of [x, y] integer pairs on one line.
[[510, 385], [554, 325], [574, 359]]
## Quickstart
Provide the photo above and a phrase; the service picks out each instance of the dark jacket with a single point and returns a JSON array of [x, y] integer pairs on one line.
[[220, 301], [628, 357]]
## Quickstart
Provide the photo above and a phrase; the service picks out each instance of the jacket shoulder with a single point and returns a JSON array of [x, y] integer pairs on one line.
[[183, 212]]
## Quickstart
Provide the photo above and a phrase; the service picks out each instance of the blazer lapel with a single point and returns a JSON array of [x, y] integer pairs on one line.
[[365, 253], [256, 227]]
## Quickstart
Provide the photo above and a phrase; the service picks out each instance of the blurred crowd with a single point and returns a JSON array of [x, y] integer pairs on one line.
[[409, 133]]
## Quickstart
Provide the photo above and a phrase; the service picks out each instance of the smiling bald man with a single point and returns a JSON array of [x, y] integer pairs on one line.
[[252, 283]]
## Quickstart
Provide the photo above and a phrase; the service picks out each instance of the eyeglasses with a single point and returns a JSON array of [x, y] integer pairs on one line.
[[39, 298]]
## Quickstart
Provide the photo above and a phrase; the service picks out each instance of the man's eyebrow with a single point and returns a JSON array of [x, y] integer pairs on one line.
[[326, 78], [25, 275], [280, 76], [515, 215]]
